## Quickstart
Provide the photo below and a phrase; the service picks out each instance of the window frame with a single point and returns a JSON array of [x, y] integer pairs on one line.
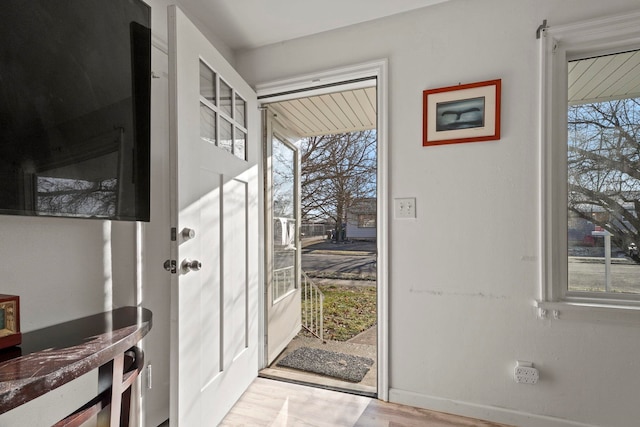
[[558, 45], [364, 222], [221, 115]]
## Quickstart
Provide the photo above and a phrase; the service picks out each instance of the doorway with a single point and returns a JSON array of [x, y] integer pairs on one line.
[[341, 251]]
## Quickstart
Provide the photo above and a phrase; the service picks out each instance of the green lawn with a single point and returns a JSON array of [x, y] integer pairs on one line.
[[348, 310]]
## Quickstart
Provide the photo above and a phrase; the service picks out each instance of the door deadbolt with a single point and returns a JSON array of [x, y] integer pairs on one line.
[[170, 265], [187, 265], [188, 233]]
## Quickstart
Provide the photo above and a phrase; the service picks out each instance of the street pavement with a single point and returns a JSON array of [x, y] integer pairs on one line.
[[348, 259], [353, 247]]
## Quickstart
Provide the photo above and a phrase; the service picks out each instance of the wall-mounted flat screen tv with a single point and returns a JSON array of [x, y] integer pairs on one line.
[[75, 80]]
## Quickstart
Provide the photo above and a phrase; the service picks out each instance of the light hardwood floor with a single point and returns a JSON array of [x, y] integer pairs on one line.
[[279, 404]]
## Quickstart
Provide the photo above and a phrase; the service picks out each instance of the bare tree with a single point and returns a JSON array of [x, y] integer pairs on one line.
[[336, 170], [282, 180], [604, 166], [79, 197]]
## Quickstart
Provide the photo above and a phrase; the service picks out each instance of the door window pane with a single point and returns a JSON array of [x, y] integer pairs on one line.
[[241, 107], [284, 219], [223, 114], [207, 83], [207, 124], [239, 144], [225, 98], [226, 141]]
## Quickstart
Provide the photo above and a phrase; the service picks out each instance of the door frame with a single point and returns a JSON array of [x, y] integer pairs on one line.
[[350, 77]]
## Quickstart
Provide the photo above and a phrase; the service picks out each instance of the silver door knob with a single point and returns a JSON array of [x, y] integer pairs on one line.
[[187, 265], [188, 233]]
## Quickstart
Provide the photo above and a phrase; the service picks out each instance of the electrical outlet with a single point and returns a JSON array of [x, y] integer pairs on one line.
[[525, 373], [405, 208]]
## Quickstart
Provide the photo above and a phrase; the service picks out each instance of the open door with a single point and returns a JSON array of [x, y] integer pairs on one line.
[[314, 117], [215, 236], [282, 207]]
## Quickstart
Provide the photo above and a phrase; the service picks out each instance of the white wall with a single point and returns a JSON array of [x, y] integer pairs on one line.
[[463, 275]]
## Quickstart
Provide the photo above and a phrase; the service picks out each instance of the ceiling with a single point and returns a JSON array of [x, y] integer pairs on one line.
[[604, 78], [246, 24]]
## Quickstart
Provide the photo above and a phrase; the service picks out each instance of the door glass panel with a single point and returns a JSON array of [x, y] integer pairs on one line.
[[284, 219], [216, 97], [207, 83], [226, 140], [239, 144], [225, 98], [241, 107], [207, 124]]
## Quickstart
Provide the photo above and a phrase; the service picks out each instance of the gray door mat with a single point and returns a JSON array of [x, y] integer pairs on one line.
[[337, 365]]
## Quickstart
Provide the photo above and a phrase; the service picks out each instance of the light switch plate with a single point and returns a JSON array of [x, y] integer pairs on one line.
[[405, 207]]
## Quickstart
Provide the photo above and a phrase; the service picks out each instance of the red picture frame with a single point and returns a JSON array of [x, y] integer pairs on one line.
[[462, 113]]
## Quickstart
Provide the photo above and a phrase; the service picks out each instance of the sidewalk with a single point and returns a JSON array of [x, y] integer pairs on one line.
[[368, 337], [600, 260], [343, 282]]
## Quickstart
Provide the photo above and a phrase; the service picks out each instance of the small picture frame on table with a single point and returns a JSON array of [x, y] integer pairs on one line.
[[10, 334]]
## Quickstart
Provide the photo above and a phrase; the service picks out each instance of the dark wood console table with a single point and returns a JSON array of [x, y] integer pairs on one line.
[[51, 357]]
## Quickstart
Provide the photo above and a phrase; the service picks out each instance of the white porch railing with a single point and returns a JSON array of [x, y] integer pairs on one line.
[[312, 302]]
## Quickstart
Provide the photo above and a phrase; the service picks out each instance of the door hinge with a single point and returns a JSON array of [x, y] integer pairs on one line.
[[171, 265]]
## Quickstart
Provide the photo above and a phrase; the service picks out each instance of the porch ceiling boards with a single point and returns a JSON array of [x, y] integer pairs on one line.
[[604, 78], [331, 113], [595, 79]]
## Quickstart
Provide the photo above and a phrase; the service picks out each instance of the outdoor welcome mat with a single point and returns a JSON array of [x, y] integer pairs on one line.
[[337, 365]]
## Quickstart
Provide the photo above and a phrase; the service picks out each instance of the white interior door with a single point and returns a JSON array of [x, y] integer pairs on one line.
[[282, 209], [214, 307]]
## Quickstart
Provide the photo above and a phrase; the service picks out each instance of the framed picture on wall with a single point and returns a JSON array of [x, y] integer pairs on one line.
[[462, 113]]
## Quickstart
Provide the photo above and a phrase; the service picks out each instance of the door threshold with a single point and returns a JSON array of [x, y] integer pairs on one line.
[[318, 381]]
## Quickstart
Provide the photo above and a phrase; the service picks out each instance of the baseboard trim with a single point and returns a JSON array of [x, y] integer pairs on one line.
[[482, 412]]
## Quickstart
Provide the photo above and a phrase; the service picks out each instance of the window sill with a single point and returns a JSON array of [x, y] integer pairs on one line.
[[588, 311]]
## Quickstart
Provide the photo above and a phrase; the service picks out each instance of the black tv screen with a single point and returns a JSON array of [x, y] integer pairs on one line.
[[75, 80]]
